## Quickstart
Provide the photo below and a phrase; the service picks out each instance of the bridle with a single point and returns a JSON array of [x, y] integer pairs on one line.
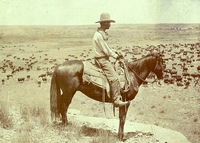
[[143, 80], [127, 67]]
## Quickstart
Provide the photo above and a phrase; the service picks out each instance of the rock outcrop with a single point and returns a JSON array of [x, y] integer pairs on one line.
[[152, 133]]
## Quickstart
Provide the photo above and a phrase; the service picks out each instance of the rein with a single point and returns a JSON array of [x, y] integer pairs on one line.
[[140, 77], [143, 80]]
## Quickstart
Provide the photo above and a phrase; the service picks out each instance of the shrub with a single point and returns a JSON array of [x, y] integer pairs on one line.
[[28, 111], [5, 119], [24, 137]]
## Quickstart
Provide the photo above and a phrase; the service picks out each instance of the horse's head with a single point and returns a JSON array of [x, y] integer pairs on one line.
[[158, 70]]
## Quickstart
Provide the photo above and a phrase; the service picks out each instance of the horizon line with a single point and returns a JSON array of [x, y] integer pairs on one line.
[[96, 24]]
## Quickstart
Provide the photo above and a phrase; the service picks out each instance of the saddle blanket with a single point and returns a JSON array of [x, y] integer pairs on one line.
[[95, 75]]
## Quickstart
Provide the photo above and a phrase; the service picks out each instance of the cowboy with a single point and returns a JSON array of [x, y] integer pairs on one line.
[[102, 52]]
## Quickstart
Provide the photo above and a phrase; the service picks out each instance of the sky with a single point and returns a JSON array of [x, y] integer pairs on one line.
[[87, 12]]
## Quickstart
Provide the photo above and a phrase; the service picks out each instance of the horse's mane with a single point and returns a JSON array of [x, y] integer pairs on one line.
[[140, 61]]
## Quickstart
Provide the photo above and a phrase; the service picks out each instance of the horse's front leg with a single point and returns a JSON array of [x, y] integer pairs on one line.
[[122, 118]]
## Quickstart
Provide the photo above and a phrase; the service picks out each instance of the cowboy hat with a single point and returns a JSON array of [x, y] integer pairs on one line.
[[105, 17]]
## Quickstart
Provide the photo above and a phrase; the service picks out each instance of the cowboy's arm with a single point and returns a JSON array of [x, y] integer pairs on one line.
[[105, 48]]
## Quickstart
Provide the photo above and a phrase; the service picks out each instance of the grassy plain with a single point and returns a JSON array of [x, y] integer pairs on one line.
[[24, 110]]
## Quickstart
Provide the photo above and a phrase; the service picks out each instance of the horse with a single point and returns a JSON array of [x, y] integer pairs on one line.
[[67, 78]]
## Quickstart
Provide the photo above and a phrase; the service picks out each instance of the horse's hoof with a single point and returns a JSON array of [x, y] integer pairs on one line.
[[121, 138], [65, 123]]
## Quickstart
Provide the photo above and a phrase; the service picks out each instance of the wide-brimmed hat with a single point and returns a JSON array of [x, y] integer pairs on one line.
[[105, 17]]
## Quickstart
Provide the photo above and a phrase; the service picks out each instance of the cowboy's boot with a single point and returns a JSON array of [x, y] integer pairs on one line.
[[116, 96]]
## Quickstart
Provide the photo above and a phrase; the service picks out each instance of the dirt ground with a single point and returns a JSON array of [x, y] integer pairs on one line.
[[169, 106]]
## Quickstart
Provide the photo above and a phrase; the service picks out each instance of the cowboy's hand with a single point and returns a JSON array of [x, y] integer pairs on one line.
[[119, 57], [119, 54]]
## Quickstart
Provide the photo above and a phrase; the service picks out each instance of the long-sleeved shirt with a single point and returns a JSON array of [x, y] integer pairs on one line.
[[100, 47]]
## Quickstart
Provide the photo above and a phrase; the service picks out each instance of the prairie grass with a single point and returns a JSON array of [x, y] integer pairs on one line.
[[31, 114], [5, 119], [104, 136], [24, 134], [78, 133], [24, 137], [31, 111]]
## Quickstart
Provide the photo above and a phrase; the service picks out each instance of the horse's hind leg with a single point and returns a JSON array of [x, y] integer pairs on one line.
[[66, 100], [69, 78]]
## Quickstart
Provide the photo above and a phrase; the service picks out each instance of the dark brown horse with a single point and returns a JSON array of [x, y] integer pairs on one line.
[[67, 79]]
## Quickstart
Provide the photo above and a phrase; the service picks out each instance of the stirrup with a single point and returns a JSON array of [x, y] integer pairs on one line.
[[124, 90], [120, 103]]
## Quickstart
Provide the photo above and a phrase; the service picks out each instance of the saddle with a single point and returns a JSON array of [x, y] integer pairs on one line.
[[93, 74]]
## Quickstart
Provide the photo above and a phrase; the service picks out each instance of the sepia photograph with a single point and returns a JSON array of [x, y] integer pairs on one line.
[[92, 71]]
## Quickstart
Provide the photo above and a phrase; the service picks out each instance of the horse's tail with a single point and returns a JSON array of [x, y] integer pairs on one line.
[[55, 97]]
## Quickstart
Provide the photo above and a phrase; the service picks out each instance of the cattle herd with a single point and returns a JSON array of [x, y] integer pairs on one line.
[[13, 65], [181, 62]]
